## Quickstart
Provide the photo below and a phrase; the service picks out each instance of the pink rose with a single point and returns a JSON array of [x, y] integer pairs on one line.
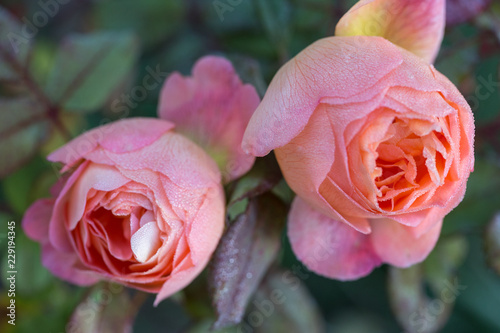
[[212, 108], [142, 206], [376, 143]]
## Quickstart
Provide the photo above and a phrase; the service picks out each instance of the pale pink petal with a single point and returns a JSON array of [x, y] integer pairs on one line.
[[203, 235], [427, 216], [172, 155], [213, 108], [416, 25], [58, 233], [207, 226], [121, 136], [146, 241], [178, 281], [67, 266], [96, 176], [399, 245], [329, 247], [307, 159], [337, 67], [36, 219]]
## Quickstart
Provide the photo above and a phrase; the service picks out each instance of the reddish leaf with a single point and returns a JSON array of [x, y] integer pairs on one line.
[[459, 11], [15, 46], [23, 127], [244, 254], [23, 120], [282, 304]]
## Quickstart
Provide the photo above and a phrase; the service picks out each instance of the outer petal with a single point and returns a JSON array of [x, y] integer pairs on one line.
[[36, 219], [67, 266], [203, 238], [306, 162], [213, 108], [173, 155], [95, 176], [416, 25], [399, 245], [140, 132], [466, 118], [206, 228], [329, 247], [299, 86]]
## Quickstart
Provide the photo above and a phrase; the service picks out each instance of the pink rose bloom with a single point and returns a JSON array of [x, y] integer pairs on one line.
[[142, 206], [212, 107], [377, 144]]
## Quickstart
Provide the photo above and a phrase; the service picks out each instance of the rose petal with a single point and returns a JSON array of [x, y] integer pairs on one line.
[[297, 88], [207, 226], [329, 247], [58, 233], [398, 245], [141, 132], [172, 155], [36, 219], [178, 281], [416, 25], [307, 158], [203, 237], [213, 108], [466, 120], [96, 176], [67, 266], [146, 241]]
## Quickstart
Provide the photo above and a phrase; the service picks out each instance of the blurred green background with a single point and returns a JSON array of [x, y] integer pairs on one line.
[[109, 46]]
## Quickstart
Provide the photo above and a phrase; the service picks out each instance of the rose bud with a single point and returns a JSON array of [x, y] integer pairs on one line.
[[140, 205], [212, 107]]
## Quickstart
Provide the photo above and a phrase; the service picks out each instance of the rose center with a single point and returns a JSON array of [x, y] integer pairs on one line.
[[126, 229], [405, 158]]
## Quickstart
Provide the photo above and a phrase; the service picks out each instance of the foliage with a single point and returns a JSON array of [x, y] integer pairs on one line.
[[71, 66]]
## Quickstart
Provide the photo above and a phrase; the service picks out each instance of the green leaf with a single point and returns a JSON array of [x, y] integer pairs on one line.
[[23, 128], [152, 20], [107, 308], [264, 175], [419, 311], [250, 72], [282, 304], [32, 181], [243, 256], [486, 96], [31, 277], [89, 68], [228, 16], [275, 16], [481, 299], [492, 243]]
